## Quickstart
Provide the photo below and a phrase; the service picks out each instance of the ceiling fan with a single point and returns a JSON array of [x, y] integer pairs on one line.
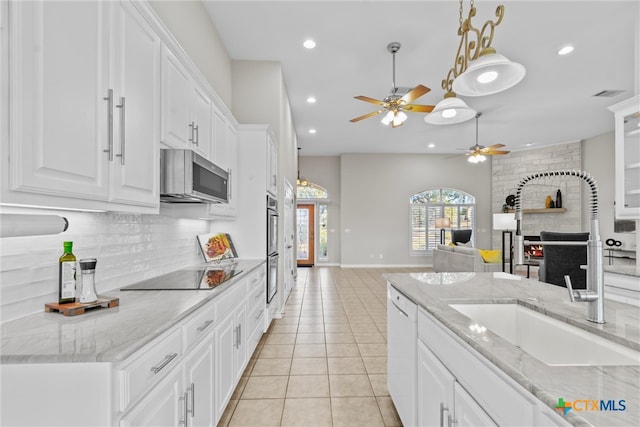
[[396, 103], [478, 153]]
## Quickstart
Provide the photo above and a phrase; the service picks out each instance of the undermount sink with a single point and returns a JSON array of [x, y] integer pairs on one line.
[[549, 340]]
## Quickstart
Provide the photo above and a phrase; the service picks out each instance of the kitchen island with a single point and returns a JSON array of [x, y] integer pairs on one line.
[[541, 386], [149, 361]]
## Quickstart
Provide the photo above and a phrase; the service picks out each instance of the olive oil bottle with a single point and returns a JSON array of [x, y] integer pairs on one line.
[[67, 275]]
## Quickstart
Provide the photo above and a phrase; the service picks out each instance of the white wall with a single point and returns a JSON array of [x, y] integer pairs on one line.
[[129, 248], [374, 203]]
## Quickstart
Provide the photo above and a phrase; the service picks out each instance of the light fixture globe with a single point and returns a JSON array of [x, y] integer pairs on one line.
[[490, 73], [449, 111]]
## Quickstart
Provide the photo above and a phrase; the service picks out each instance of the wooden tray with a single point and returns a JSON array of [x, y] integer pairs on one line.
[[76, 308]]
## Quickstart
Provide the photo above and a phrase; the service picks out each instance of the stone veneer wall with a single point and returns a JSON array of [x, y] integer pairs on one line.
[[129, 248], [510, 169]]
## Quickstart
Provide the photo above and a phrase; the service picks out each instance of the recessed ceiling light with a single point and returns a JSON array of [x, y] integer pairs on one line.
[[309, 44], [565, 50], [312, 131], [528, 144], [432, 145], [311, 100]]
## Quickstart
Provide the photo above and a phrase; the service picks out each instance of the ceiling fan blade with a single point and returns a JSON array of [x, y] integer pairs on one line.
[[496, 152], [371, 100], [416, 108], [366, 116], [491, 147], [415, 93]]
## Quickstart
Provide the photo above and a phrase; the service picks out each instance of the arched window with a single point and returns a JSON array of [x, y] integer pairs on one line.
[[425, 207], [311, 191]]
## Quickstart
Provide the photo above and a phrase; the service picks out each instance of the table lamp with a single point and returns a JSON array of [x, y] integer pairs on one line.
[[506, 222], [442, 223]]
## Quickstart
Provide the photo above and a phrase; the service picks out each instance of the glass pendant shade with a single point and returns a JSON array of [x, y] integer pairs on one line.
[[387, 118], [477, 158], [490, 73], [449, 111]]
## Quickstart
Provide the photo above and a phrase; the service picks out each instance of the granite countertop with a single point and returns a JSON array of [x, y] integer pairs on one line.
[[106, 335], [433, 292]]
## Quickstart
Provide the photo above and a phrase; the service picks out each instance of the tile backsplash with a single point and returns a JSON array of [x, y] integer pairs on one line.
[[129, 248]]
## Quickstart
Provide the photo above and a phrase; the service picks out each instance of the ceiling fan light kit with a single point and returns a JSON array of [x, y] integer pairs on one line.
[[478, 153]]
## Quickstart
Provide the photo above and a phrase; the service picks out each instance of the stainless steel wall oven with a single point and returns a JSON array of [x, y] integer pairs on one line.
[[272, 247]]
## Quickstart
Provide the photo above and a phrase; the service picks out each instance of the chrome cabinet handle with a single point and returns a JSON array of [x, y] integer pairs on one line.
[[239, 335], [259, 315], [451, 421], [193, 400], [122, 130], [229, 191], [192, 126], [183, 399], [196, 129], [401, 310], [205, 325], [168, 358], [443, 409], [109, 99]]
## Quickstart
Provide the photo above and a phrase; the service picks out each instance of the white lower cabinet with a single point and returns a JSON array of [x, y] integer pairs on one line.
[[163, 406], [184, 378], [456, 386], [199, 385], [443, 401]]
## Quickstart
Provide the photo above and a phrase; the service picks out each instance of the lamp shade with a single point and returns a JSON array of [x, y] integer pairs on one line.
[[443, 223], [449, 111], [504, 221], [490, 73]]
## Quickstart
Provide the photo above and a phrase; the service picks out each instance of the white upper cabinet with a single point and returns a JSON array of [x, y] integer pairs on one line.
[[59, 63], [137, 83], [627, 158], [272, 166], [187, 108], [83, 96]]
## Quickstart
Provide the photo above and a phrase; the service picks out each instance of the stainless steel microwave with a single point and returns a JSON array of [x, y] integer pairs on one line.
[[187, 177]]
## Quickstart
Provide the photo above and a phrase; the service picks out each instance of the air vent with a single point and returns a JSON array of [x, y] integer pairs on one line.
[[608, 93]]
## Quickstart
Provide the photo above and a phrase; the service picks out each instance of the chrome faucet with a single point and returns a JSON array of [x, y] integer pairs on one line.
[[594, 294]]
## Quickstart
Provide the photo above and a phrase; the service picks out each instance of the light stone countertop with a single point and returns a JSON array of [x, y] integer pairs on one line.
[[435, 291], [106, 334]]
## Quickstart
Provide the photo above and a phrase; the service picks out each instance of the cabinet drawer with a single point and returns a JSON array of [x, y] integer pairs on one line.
[[154, 362], [254, 339], [230, 299], [198, 325], [256, 317], [257, 280]]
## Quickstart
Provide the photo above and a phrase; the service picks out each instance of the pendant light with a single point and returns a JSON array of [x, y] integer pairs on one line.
[[478, 70], [449, 111]]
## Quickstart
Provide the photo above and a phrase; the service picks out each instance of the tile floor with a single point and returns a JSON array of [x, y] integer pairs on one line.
[[325, 362]]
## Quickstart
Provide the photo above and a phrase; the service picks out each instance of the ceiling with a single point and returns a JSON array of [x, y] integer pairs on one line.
[[554, 104]]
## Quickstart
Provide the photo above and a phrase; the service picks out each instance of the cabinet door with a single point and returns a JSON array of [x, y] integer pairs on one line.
[[224, 350], [272, 166], [59, 79], [176, 125], [199, 383], [203, 122], [435, 389], [242, 338], [135, 173], [163, 406], [468, 412]]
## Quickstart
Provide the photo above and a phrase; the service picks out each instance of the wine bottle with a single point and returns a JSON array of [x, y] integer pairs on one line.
[[67, 275]]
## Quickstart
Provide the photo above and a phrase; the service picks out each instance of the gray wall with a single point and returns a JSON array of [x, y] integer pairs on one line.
[[374, 203]]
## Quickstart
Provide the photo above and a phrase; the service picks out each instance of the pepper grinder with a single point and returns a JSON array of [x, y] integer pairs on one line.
[[88, 269]]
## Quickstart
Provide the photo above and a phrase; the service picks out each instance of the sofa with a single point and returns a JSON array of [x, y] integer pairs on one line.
[[462, 258]]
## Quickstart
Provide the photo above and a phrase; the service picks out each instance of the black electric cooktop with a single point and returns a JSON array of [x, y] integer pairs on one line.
[[189, 279]]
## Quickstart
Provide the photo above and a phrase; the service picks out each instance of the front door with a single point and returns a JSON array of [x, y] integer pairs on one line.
[[305, 227]]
